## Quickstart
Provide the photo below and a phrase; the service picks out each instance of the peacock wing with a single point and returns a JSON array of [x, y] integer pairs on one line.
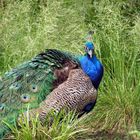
[[29, 84]]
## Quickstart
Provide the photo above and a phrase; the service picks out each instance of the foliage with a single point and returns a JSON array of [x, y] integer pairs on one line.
[[57, 126], [29, 26]]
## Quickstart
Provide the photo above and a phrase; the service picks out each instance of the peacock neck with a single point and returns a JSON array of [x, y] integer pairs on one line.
[[93, 59], [93, 68]]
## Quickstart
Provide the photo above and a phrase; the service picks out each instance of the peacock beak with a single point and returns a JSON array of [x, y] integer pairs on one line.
[[90, 52]]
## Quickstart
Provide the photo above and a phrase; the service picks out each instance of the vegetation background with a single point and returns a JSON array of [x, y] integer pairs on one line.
[[29, 26]]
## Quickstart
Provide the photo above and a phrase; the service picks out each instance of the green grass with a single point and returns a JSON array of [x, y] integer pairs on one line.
[[58, 129], [30, 26]]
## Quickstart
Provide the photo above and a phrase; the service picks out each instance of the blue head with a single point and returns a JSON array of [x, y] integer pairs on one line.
[[89, 48], [91, 65]]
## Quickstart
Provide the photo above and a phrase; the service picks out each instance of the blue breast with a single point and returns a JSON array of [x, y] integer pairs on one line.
[[93, 68]]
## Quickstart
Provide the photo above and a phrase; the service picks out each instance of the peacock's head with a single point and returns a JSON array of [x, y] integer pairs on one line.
[[89, 48]]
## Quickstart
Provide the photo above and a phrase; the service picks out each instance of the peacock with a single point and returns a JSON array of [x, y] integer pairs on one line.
[[38, 82]]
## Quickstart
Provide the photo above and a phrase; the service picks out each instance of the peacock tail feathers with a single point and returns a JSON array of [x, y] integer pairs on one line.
[[29, 84]]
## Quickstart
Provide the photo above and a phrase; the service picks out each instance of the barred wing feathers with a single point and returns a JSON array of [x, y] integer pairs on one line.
[[74, 94]]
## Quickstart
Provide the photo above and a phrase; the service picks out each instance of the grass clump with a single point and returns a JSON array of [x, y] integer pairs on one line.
[[30, 26], [57, 126], [118, 46]]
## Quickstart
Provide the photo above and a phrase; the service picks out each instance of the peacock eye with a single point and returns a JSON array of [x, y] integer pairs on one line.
[[25, 98], [34, 88], [15, 86], [2, 107]]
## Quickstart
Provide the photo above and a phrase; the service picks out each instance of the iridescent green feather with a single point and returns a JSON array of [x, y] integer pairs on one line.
[[28, 85]]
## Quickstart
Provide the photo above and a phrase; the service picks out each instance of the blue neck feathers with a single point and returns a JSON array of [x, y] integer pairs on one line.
[[93, 68]]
